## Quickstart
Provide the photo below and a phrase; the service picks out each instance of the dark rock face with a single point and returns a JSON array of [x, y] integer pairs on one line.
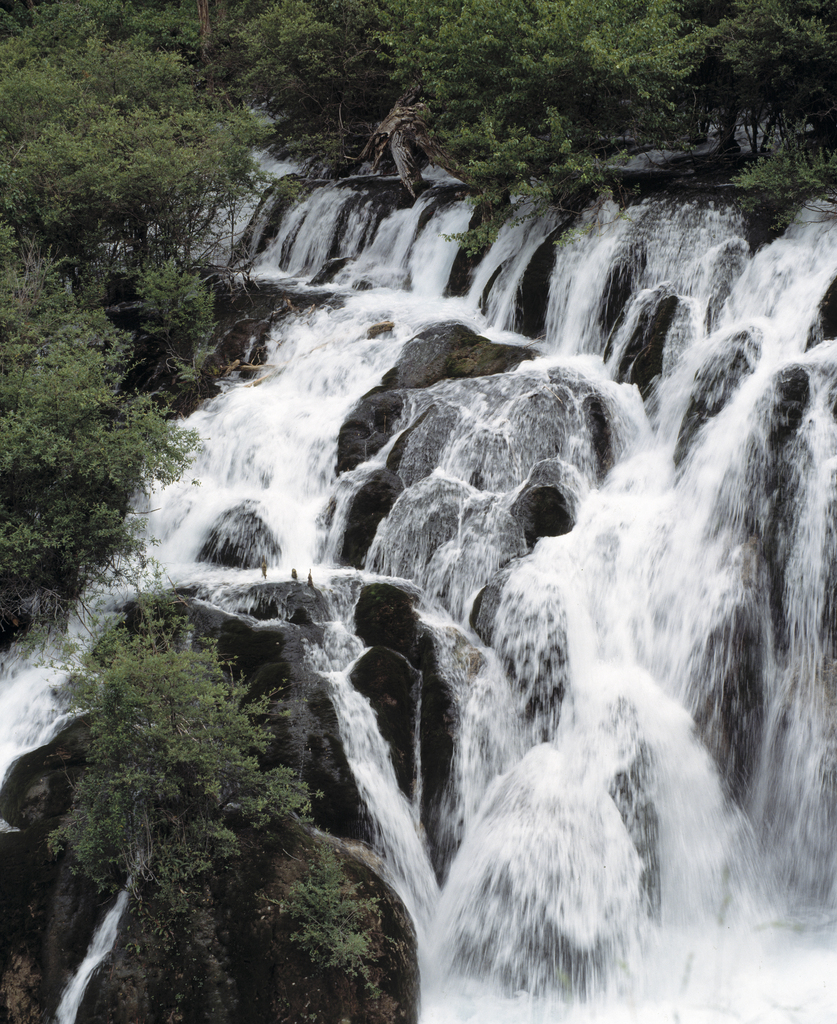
[[437, 729], [240, 539], [330, 269], [304, 728], [369, 506], [235, 959], [451, 350], [715, 383], [542, 508], [598, 424], [631, 791], [369, 427], [386, 679], [291, 600], [825, 326], [384, 617], [533, 290], [641, 362], [39, 784], [417, 449], [731, 719]]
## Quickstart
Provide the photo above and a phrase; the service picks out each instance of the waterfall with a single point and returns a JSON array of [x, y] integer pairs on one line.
[[639, 817], [100, 945]]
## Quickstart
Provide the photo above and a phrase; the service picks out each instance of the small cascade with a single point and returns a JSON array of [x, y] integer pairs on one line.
[[100, 945]]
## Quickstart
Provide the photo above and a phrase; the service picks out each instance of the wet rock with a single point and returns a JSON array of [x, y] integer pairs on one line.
[[601, 438], [384, 617], [329, 270], [418, 449], [618, 289], [240, 539], [380, 328], [437, 730], [291, 600], [729, 264], [305, 733], [825, 325], [386, 680], [631, 792], [245, 337], [369, 426], [533, 290], [792, 392], [235, 958], [543, 509], [730, 717], [464, 264], [485, 607], [451, 350], [641, 362], [715, 383], [368, 507], [40, 784]]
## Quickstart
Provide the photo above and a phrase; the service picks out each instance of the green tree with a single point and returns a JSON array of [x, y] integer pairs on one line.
[[318, 68], [75, 450], [537, 97], [174, 747], [331, 914]]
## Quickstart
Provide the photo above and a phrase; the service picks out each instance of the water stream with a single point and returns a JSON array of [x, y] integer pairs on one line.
[[639, 823]]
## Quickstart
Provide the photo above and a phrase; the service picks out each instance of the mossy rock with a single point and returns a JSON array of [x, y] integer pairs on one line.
[[240, 539], [384, 617], [370, 505], [305, 731], [386, 680], [450, 350], [39, 784], [235, 958]]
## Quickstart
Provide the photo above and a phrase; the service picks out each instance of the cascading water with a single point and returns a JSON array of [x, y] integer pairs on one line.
[[638, 818]]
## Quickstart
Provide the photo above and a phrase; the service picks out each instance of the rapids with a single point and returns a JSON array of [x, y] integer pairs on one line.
[[640, 817]]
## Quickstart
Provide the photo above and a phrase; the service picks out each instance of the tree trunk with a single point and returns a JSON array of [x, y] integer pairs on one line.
[[404, 131]]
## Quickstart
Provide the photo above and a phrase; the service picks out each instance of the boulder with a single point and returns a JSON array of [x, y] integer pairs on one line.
[[39, 784], [370, 425], [304, 728], [384, 617], [386, 680], [533, 290], [715, 383], [417, 450], [240, 539], [329, 270], [542, 508], [370, 504], [641, 361], [451, 350], [601, 437], [291, 600], [235, 958]]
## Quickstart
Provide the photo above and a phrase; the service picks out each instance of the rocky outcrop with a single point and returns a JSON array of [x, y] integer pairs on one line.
[[641, 360], [825, 324], [305, 733], [386, 679], [370, 504], [369, 426], [451, 350], [240, 539], [385, 617], [715, 383]]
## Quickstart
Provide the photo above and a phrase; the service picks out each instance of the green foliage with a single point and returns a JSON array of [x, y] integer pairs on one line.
[[789, 181], [179, 308], [534, 98], [117, 157], [75, 451], [331, 915], [317, 67], [173, 749]]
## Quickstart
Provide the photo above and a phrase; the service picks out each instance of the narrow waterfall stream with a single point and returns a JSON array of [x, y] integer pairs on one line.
[[638, 823]]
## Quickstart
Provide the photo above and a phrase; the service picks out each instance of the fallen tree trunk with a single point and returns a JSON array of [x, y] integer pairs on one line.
[[404, 132]]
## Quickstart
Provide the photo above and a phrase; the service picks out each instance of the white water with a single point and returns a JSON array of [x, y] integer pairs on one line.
[[629, 844], [100, 945]]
